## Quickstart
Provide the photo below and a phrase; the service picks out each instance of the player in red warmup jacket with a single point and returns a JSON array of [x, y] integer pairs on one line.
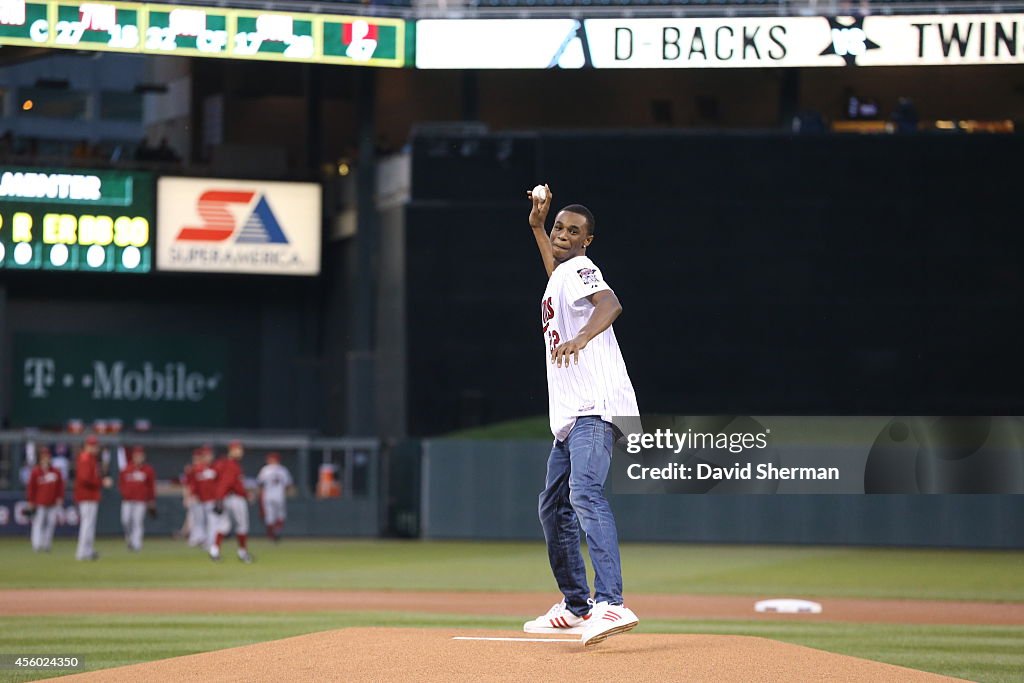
[[138, 495], [89, 482], [205, 476], [232, 502], [196, 516], [45, 498]]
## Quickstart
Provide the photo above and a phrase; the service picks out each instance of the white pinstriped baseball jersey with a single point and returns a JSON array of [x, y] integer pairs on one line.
[[275, 480], [599, 384]]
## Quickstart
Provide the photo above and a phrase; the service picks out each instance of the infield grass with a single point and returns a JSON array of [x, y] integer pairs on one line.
[[982, 653], [522, 567]]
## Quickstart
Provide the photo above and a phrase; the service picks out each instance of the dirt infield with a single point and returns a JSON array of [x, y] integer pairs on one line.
[[432, 655], [519, 605]]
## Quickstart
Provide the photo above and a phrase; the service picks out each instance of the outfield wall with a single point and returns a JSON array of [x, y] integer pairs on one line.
[[306, 517], [353, 510], [488, 489]]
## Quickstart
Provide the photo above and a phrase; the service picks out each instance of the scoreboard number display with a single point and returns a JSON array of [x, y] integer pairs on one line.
[[187, 30], [261, 34], [100, 25], [23, 23], [76, 219]]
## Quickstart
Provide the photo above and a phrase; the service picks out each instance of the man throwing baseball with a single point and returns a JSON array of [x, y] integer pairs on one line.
[[587, 386]]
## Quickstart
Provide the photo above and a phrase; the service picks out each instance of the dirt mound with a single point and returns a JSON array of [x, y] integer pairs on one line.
[[433, 655]]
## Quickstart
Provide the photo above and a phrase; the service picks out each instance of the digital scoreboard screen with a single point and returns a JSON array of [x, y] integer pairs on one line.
[[198, 31], [76, 219], [194, 31], [106, 25]]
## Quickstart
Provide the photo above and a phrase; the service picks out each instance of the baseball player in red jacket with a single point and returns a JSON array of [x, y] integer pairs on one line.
[[205, 477], [232, 502], [196, 519], [138, 494], [89, 482], [45, 499]]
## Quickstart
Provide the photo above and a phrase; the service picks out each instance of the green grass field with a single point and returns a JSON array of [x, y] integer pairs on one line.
[[984, 653], [519, 567]]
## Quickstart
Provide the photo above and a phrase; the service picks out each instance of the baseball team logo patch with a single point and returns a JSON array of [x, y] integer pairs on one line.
[[588, 275]]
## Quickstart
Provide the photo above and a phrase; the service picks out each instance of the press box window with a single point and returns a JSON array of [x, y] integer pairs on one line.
[[52, 103], [121, 106]]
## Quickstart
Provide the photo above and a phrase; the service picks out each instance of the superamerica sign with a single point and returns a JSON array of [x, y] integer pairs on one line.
[[720, 42], [238, 226]]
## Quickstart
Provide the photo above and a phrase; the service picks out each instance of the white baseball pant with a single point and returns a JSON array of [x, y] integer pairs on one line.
[[133, 515], [236, 512], [197, 523], [43, 524], [273, 511], [87, 510]]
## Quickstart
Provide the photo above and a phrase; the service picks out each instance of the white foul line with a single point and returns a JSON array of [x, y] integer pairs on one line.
[[522, 640]]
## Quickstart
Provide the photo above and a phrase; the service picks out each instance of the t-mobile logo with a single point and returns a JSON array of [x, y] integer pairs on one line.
[[39, 374]]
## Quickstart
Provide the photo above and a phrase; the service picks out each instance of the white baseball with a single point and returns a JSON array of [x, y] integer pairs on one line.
[[540, 192]]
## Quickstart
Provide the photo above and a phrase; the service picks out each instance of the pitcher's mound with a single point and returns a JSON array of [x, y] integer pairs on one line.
[[407, 654]]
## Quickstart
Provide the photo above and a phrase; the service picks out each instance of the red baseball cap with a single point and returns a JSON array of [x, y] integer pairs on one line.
[[273, 456], [235, 444], [138, 449], [91, 440]]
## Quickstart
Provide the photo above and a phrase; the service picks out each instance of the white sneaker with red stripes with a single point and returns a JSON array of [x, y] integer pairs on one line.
[[607, 620], [557, 620]]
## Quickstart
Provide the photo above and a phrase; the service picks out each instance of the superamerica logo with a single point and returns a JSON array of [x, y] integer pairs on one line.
[[219, 223], [238, 226]]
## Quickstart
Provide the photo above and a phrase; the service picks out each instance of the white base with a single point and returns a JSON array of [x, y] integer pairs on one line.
[[788, 606]]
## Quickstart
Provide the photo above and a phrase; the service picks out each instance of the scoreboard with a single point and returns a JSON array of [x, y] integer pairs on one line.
[[76, 219], [205, 32]]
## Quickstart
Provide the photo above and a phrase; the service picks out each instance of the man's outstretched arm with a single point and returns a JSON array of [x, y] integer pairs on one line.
[[538, 217], [606, 309]]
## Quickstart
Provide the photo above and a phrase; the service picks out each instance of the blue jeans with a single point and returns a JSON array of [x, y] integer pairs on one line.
[[573, 496]]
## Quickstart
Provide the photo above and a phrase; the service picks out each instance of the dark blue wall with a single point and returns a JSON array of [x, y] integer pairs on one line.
[[759, 274], [488, 489]]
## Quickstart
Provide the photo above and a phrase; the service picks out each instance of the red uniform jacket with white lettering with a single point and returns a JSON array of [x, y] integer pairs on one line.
[[205, 482], [138, 483], [45, 487], [88, 480], [229, 478]]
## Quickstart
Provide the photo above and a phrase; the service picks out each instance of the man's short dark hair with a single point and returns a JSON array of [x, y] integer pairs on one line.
[[583, 211]]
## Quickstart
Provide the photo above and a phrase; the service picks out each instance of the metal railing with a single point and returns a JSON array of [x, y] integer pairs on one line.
[[354, 461]]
